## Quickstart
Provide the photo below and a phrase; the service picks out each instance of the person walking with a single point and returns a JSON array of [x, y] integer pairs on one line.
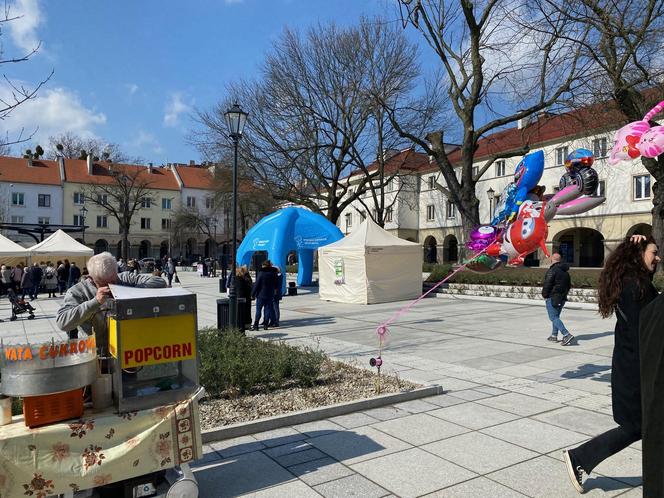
[[17, 277], [74, 275], [170, 271], [62, 278], [244, 284], [557, 284], [26, 283], [276, 313], [6, 276], [50, 279], [263, 291], [36, 274], [625, 288]]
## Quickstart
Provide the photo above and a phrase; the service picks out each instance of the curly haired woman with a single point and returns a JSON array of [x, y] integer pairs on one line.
[[625, 288]]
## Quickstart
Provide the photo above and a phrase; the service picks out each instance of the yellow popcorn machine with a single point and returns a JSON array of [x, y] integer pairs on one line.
[[153, 346]]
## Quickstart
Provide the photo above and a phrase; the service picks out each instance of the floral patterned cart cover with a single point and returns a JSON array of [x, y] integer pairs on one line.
[[99, 449]]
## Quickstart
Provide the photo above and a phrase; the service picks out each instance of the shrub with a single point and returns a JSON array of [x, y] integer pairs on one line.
[[232, 364], [438, 272]]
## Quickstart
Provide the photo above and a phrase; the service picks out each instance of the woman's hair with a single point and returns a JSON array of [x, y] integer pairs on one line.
[[625, 263]]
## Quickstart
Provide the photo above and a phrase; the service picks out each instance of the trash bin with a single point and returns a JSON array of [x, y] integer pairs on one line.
[[292, 289], [222, 286], [223, 313]]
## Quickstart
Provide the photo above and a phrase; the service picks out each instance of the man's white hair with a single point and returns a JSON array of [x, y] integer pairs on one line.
[[103, 266]]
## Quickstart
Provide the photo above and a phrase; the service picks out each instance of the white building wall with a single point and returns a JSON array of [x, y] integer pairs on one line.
[[30, 210]]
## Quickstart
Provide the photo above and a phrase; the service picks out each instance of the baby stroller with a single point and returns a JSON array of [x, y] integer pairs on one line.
[[19, 306]]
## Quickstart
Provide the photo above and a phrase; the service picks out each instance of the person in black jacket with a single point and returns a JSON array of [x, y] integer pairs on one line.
[[263, 291], [625, 288], [556, 286]]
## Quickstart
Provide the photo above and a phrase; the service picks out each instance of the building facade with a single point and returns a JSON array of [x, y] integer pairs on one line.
[[583, 240]]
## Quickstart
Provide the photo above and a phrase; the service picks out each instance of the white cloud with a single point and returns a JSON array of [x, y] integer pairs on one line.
[[145, 140], [52, 112], [174, 107], [132, 88], [23, 31]]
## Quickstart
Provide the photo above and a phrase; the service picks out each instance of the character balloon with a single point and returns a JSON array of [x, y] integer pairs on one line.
[[627, 144]]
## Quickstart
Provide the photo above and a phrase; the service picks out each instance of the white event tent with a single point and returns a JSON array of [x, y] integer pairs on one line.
[[370, 266], [11, 253], [59, 245]]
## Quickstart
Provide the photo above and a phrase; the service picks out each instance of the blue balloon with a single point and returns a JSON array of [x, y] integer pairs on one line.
[[526, 177]]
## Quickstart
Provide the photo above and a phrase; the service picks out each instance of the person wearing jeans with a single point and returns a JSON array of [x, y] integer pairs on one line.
[[263, 291], [556, 286]]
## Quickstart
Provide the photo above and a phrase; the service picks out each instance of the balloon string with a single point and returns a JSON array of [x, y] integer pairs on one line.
[[382, 328]]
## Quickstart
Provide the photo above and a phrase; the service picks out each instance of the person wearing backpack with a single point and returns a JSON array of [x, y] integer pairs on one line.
[[50, 279], [557, 284]]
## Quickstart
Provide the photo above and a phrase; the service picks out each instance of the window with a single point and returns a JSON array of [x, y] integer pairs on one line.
[[476, 171], [145, 223], [561, 155], [165, 223], [349, 220], [363, 216], [390, 185], [146, 203], [44, 200], [209, 203], [599, 147], [431, 212], [451, 209], [500, 168], [601, 189], [78, 220], [166, 204], [388, 215], [18, 199], [44, 220], [102, 221], [79, 198], [431, 182], [642, 187], [17, 219], [191, 202]]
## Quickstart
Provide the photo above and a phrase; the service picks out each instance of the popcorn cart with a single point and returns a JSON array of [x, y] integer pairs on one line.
[[140, 444]]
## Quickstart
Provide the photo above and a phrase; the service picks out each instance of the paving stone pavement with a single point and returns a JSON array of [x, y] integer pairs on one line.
[[513, 402]]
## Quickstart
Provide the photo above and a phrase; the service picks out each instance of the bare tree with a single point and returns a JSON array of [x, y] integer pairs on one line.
[[72, 146], [121, 192], [313, 115], [624, 47], [490, 66], [13, 93]]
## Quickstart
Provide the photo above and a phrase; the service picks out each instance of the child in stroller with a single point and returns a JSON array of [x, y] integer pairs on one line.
[[19, 306]]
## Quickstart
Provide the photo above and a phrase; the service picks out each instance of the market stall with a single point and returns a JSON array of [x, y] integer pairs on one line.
[[59, 245], [11, 253], [140, 428]]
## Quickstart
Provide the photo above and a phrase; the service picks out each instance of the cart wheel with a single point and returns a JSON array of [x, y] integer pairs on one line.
[[31, 317]]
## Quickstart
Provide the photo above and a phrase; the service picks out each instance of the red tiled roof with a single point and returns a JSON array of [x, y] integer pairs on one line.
[[548, 128], [15, 169], [407, 159], [76, 171], [195, 177]]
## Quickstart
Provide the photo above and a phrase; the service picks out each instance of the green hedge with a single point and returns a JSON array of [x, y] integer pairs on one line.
[[581, 277], [233, 364]]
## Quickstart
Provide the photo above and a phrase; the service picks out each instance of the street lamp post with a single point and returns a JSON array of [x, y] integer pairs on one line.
[[83, 211], [491, 195], [235, 119]]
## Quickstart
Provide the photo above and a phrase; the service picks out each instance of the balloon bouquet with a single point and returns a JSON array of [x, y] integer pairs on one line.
[[639, 139], [520, 223]]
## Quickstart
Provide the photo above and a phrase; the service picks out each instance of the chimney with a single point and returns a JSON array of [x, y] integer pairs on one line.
[[149, 167], [61, 166], [192, 162], [524, 122], [89, 161], [29, 162]]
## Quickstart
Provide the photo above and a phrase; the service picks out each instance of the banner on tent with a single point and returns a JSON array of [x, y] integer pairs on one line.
[[339, 275]]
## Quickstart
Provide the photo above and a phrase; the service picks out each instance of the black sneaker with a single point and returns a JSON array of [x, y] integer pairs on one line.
[[552, 338], [574, 471], [567, 340]]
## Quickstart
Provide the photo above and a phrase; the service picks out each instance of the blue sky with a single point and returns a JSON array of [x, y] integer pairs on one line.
[[132, 71]]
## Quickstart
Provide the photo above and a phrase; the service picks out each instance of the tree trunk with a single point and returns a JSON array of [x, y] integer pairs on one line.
[[125, 244], [658, 213]]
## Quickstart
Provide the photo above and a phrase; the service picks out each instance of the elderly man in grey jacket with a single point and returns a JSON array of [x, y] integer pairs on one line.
[[85, 303]]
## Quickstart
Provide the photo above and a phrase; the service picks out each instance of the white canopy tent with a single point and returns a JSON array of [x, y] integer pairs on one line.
[[59, 245], [11, 253], [370, 266]]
